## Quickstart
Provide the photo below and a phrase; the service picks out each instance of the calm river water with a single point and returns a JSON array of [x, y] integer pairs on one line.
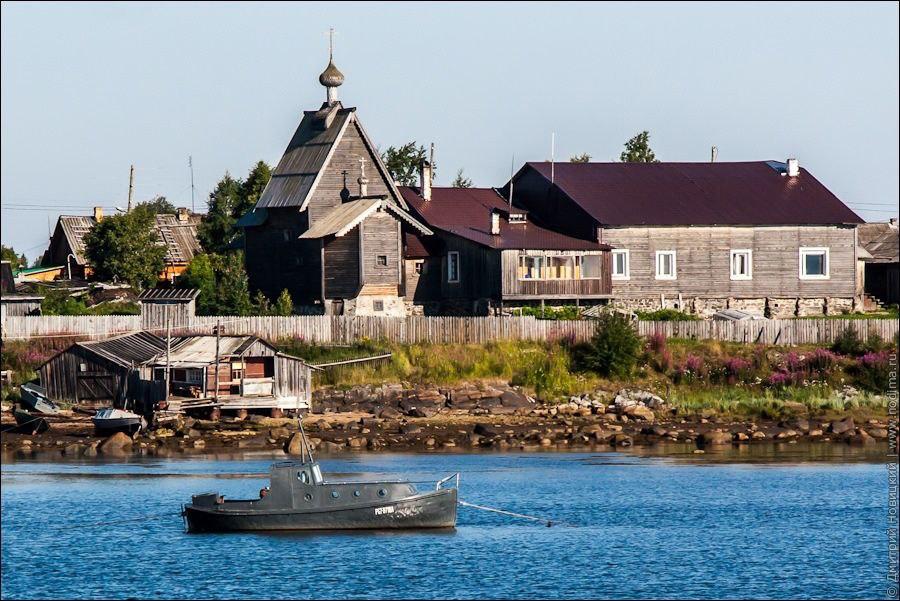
[[635, 526]]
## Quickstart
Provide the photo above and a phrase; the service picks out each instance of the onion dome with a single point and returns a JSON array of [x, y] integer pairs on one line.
[[331, 77]]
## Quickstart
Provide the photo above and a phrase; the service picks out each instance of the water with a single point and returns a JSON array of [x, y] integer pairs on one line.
[[635, 527]]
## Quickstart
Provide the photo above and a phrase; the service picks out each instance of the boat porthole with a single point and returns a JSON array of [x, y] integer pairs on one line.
[[308, 497], [382, 492], [355, 493], [335, 494], [304, 477]]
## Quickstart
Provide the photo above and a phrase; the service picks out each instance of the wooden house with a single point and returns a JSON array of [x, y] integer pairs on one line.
[[763, 236], [487, 256], [329, 225], [881, 275], [13, 303], [66, 252]]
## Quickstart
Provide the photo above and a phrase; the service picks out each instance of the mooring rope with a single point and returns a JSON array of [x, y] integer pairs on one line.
[[509, 513]]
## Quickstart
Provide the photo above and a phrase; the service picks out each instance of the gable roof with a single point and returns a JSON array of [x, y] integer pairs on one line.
[[881, 241], [344, 217], [74, 228], [744, 193], [308, 153], [127, 349], [466, 212]]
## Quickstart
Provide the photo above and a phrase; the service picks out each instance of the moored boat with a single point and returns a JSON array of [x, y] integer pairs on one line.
[[30, 423], [110, 419], [299, 497], [35, 399]]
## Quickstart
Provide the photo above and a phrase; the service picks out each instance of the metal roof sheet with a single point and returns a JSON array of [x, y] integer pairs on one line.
[[466, 212], [741, 193], [169, 294], [128, 349], [881, 240], [202, 349]]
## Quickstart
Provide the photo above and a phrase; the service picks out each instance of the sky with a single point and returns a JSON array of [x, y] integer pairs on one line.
[[90, 89]]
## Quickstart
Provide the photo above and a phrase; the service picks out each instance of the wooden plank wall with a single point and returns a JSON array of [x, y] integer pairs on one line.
[[344, 330]]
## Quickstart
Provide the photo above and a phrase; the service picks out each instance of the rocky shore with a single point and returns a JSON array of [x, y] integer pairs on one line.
[[482, 417]]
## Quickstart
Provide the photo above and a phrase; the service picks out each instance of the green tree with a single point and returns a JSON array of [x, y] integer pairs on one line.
[[125, 248], [614, 348], [637, 150], [158, 206], [201, 275], [217, 231], [261, 303], [9, 254], [403, 162], [233, 289], [461, 181], [284, 304], [580, 158], [252, 187]]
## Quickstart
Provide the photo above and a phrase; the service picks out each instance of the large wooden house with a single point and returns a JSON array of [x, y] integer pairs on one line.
[[763, 236], [329, 225]]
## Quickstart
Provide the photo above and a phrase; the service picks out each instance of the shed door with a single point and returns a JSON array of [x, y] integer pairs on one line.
[[95, 386]]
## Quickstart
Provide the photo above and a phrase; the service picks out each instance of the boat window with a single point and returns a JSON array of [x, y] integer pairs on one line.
[[355, 493], [335, 494], [308, 497], [304, 477], [382, 492]]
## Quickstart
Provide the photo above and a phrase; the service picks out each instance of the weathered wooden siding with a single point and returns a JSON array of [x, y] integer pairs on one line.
[[514, 288], [339, 178], [426, 286], [16, 308], [293, 378], [276, 259], [381, 237], [342, 256], [154, 313], [341, 329], [479, 271], [703, 261], [100, 380]]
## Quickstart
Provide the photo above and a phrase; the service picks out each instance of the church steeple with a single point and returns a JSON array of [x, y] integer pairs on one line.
[[331, 77]]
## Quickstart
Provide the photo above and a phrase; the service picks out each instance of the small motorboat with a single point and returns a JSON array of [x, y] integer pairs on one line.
[[30, 423], [35, 399], [299, 497], [110, 419]]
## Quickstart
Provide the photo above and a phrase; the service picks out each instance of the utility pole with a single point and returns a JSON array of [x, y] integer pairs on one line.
[[168, 350], [191, 165], [552, 159], [130, 187], [218, 333]]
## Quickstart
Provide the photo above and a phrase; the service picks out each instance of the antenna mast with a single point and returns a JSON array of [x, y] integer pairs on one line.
[[512, 164], [552, 157], [130, 187], [191, 165]]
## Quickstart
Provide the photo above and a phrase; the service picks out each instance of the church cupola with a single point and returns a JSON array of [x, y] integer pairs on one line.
[[331, 77]]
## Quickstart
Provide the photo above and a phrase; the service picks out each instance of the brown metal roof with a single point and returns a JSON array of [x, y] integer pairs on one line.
[[169, 294], [881, 241], [745, 193], [466, 212]]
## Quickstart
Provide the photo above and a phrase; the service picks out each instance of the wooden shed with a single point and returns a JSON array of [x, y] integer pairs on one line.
[[106, 371], [178, 305]]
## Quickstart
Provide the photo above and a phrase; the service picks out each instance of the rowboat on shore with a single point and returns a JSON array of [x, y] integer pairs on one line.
[[300, 497], [35, 399], [30, 423], [110, 419]]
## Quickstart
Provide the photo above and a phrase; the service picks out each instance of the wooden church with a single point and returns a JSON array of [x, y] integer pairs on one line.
[[330, 224]]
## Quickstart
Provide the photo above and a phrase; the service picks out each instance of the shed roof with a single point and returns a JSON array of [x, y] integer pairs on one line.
[[169, 294], [201, 350], [741, 193], [881, 240], [180, 236], [466, 212], [344, 217], [127, 349]]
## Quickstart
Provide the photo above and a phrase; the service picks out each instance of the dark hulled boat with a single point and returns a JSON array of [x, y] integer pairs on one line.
[[299, 497]]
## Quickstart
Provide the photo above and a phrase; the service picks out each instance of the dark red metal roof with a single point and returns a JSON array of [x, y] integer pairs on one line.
[[748, 193], [466, 212]]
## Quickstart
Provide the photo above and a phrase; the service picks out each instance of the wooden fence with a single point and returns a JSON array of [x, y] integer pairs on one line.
[[346, 330]]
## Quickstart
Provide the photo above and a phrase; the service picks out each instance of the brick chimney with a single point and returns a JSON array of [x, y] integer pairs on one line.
[[183, 214], [425, 175], [495, 222], [793, 167], [98, 214]]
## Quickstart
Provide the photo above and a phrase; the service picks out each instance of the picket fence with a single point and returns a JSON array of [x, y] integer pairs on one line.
[[473, 330]]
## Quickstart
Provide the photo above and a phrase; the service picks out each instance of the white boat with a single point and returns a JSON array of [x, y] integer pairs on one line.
[[35, 399], [110, 419]]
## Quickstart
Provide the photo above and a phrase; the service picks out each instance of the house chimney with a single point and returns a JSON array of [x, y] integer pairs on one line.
[[495, 222], [425, 175], [98, 214], [182, 214], [793, 167], [363, 181]]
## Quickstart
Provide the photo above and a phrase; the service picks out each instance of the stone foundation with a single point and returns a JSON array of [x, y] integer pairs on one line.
[[365, 306], [772, 307]]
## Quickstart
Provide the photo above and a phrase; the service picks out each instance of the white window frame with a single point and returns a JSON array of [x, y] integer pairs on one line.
[[741, 251], [815, 250], [455, 257], [627, 274], [674, 275]]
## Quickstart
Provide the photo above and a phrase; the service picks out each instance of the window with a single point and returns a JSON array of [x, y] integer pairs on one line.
[[560, 268], [381, 260], [452, 266], [420, 267], [530, 267], [590, 267], [621, 268], [665, 265], [742, 264], [304, 477], [378, 306], [517, 218], [814, 263]]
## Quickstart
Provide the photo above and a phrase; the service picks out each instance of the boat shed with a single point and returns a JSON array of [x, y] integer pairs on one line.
[[106, 371]]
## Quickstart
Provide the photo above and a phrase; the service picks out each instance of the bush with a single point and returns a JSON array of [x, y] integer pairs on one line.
[[693, 368], [565, 312], [666, 315], [873, 371], [615, 347], [849, 343]]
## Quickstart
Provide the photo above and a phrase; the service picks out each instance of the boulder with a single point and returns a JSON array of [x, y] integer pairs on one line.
[[511, 398], [841, 426], [277, 433], [714, 437], [294, 445], [117, 443], [411, 429], [357, 442], [389, 413], [627, 398], [879, 433], [486, 430], [641, 412], [621, 440], [862, 437], [73, 450]]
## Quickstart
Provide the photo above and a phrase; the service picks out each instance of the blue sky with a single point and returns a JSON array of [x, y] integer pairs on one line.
[[89, 89]]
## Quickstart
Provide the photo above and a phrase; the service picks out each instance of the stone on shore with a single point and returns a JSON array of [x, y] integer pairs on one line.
[[714, 437], [294, 445], [841, 426], [118, 443]]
